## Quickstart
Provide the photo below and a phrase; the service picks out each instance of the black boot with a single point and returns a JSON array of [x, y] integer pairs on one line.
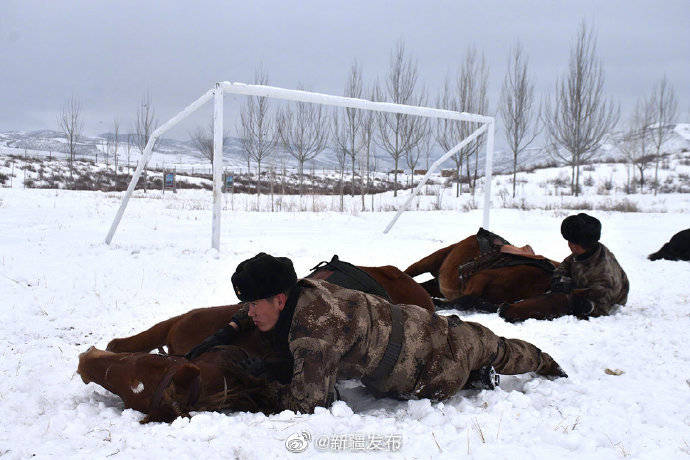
[[484, 378]]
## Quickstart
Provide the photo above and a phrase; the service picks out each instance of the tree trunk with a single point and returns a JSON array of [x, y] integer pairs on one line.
[[301, 176], [258, 179], [641, 178], [395, 179], [656, 174], [273, 176], [457, 180], [514, 173], [342, 187], [352, 185], [572, 179]]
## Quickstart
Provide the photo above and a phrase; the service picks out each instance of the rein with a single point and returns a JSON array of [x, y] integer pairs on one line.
[[192, 398]]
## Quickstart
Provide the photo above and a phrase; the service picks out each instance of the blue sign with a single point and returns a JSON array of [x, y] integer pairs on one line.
[[228, 181], [169, 179]]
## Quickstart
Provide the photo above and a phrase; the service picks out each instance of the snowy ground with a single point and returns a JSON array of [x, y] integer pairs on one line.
[[64, 290]]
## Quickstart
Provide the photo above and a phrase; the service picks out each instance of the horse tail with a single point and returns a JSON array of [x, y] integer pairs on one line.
[[154, 337]]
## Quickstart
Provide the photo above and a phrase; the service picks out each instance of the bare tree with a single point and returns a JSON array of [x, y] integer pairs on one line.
[[516, 107], [637, 138], [145, 123], [257, 129], [366, 150], [129, 149], [471, 86], [202, 140], [303, 132], [346, 134], [579, 118], [341, 156], [643, 120], [412, 155], [71, 125], [448, 131], [398, 133], [144, 127], [116, 142], [665, 106]]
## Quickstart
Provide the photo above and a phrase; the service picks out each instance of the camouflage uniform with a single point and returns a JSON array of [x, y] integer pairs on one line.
[[337, 333], [602, 276]]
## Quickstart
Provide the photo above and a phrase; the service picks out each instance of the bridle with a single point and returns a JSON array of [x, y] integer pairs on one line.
[[192, 397]]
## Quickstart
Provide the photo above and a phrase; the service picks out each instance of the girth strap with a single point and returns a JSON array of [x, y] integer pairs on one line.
[[392, 353]]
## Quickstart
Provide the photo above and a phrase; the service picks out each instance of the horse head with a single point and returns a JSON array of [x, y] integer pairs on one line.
[[165, 387]]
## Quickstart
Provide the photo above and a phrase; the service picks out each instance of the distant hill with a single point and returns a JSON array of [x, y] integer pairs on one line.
[[180, 153]]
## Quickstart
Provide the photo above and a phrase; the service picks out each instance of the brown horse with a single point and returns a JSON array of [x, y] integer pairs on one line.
[[165, 387], [181, 333], [484, 289]]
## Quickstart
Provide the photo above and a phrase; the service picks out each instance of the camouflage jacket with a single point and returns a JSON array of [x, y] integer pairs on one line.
[[602, 276], [338, 333]]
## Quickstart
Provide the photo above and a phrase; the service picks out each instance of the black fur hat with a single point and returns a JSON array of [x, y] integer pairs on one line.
[[263, 276], [581, 229]]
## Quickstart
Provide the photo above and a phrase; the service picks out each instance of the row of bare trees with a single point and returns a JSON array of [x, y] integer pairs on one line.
[[646, 130], [575, 118], [70, 122]]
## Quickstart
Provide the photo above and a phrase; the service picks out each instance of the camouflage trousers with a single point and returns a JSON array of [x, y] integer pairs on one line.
[[481, 347]]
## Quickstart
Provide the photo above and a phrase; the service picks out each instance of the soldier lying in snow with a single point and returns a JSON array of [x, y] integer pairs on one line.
[[327, 332], [589, 282]]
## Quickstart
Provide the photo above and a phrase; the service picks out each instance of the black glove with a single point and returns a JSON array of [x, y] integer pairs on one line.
[[223, 336], [256, 367], [581, 306], [562, 284]]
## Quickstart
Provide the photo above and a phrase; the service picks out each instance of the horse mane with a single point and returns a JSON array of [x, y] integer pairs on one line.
[[242, 392]]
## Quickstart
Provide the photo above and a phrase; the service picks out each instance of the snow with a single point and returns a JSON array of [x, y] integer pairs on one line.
[[64, 290]]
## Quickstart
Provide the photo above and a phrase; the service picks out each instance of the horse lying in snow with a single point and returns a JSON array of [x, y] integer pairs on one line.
[[676, 249], [483, 271], [181, 333], [165, 387]]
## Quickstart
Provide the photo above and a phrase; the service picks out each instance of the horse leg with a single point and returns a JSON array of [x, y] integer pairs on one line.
[[545, 306], [430, 263], [466, 303], [431, 287], [154, 337]]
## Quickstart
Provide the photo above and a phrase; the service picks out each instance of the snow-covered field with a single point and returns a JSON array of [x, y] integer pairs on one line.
[[64, 290]]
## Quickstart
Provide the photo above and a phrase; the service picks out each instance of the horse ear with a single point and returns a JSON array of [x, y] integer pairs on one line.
[[185, 375]]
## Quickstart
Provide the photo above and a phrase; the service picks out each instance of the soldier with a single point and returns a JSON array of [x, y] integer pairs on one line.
[[330, 333], [589, 282]]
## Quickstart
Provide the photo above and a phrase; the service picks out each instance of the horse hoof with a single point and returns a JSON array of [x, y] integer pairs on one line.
[[504, 311]]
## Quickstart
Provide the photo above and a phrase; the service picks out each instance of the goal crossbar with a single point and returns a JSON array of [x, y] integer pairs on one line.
[[310, 97]]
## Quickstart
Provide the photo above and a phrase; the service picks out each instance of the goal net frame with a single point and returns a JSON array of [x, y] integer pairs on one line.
[[486, 126]]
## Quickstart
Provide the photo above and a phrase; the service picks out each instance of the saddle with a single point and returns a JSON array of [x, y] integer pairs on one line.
[[497, 252], [346, 275]]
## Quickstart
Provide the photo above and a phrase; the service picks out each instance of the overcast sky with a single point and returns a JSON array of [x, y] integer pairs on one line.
[[108, 54]]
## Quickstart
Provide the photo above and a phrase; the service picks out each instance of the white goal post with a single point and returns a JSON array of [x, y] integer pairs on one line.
[[487, 126]]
